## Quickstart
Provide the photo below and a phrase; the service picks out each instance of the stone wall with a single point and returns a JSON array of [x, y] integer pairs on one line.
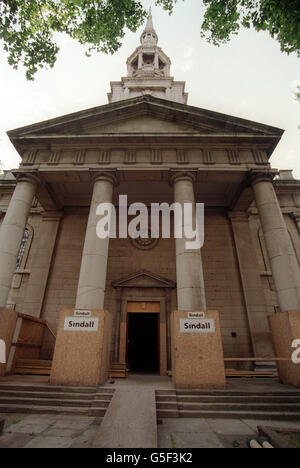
[[63, 278], [20, 280], [223, 287]]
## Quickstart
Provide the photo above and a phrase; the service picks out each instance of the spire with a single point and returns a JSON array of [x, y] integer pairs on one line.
[[148, 72], [149, 36]]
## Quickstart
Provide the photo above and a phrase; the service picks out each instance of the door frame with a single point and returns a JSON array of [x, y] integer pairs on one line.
[[158, 333], [162, 332]]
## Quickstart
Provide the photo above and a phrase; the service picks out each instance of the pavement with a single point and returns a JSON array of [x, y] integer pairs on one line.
[[48, 431], [212, 433], [52, 431], [130, 420], [57, 431]]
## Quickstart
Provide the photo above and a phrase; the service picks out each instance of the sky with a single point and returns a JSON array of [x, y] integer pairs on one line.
[[249, 78]]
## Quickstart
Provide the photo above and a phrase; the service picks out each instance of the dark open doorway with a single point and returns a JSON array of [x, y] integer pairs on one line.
[[143, 342]]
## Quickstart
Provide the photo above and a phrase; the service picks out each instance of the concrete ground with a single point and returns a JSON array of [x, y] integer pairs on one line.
[[52, 431], [212, 433], [48, 431]]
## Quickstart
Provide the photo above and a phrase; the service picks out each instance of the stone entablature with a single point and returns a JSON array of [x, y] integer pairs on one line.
[[140, 155]]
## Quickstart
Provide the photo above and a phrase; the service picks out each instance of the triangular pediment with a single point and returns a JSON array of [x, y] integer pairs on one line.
[[143, 279], [142, 124], [144, 115]]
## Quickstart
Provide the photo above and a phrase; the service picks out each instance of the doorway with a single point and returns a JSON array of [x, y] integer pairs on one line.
[[143, 337], [143, 342], [153, 325]]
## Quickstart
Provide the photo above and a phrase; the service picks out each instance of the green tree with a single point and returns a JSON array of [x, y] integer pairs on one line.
[[27, 27], [281, 18]]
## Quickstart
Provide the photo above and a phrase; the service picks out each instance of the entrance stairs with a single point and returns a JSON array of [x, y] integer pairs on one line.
[[228, 404], [46, 399]]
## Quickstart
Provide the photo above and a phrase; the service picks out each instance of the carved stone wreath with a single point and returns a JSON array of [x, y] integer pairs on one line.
[[145, 243]]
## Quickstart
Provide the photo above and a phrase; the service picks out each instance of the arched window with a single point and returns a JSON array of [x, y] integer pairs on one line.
[[24, 248]]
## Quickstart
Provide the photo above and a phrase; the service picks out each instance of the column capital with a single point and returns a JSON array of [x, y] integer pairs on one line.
[[176, 176], [30, 177], [109, 176], [238, 216], [256, 176]]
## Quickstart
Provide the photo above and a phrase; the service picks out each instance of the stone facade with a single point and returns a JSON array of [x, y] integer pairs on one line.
[[152, 150]]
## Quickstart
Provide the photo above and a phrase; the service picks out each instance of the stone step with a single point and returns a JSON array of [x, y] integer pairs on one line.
[[165, 392], [50, 395], [25, 409], [228, 399], [168, 398], [279, 407], [54, 402], [52, 388], [235, 393], [262, 415]]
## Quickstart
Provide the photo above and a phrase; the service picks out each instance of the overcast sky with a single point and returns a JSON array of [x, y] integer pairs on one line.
[[248, 78]]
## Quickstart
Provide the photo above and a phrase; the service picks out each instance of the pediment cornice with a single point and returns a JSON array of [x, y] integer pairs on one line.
[[197, 119], [143, 278]]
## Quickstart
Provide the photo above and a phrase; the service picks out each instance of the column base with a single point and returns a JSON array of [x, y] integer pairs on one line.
[[285, 329], [197, 350], [82, 350]]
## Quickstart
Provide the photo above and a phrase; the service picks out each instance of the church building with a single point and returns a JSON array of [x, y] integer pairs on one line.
[[149, 144]]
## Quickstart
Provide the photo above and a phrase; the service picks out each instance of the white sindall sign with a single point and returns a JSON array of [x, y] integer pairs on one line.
[[81, 324], [2, 352], [197, 326]]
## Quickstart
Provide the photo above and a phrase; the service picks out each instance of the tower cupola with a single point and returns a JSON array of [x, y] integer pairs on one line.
[[148, 72]]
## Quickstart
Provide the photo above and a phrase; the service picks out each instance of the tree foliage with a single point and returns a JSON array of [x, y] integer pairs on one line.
[[27, 27], [281, 18]]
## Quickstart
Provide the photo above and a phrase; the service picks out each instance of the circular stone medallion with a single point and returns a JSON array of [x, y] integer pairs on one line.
[[145, 243]]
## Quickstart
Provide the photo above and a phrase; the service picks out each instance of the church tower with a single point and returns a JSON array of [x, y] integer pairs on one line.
[[148, 72]]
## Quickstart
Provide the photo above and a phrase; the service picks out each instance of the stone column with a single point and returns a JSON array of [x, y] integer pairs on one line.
[[39, 273], [92, 278], [140, 60], [252, 285], [284, 263], [189, 273], [12, 230]]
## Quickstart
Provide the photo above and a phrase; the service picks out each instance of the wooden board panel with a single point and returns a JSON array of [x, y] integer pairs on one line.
[[8, 321], [31, 333]]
